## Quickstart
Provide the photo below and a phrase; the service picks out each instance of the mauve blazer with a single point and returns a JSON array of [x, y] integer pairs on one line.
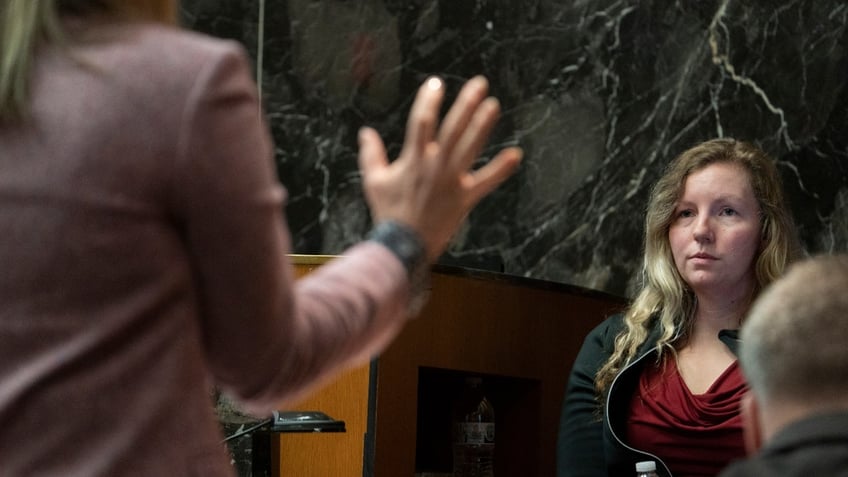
[[143, 258]]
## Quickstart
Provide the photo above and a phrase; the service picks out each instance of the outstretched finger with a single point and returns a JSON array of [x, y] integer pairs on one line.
[[475, 135], [490, 176], [423, 117], [464, 107]]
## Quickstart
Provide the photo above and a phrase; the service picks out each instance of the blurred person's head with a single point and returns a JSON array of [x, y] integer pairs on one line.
[[24, 24], [794, 349]]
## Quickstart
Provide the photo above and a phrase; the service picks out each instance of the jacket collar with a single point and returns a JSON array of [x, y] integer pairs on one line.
[[810, 431], [729, 337]]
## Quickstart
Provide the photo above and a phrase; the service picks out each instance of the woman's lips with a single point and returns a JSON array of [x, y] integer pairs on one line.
[[702, 257]]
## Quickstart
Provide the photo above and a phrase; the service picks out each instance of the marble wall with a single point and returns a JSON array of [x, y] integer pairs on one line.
[[601, 94]]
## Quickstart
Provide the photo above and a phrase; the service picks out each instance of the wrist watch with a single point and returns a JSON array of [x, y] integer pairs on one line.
[[407, 245]]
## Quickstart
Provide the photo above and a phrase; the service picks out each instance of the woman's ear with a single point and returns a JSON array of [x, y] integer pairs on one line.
[[750, 412]]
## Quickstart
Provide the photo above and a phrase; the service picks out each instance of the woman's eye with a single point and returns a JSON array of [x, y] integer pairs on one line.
[[728, 211], [685, 213]]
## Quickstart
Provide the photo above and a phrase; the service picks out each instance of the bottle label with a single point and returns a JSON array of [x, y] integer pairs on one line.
[[477, 432]]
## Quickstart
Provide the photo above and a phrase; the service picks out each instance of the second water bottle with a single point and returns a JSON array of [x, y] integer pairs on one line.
[[474, 432]]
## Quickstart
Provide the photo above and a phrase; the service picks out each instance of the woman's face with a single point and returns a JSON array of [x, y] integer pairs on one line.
[[715, 231]]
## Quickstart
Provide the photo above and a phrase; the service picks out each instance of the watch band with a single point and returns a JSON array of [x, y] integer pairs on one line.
[[407, 245]]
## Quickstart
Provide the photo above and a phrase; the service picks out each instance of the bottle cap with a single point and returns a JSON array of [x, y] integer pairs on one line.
[[646, 466]]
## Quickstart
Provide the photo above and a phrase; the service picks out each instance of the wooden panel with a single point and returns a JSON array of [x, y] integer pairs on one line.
[[332, 453], [346, 399]]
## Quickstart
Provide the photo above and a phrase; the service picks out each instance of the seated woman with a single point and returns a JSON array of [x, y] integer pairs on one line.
[[661, 382]]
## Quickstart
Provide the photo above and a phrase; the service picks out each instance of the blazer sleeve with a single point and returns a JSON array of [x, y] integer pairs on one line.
[[267, 339], [580, 448]]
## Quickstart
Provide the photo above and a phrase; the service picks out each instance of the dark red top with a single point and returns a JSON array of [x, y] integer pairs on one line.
[[694, 434]]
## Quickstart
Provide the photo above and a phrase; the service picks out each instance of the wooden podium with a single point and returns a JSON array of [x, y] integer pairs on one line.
[[520, 335]]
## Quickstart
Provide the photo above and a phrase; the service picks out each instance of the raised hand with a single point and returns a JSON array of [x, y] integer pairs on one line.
[[431, 186]]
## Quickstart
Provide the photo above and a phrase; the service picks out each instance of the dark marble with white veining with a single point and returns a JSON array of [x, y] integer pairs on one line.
[[600, 94]]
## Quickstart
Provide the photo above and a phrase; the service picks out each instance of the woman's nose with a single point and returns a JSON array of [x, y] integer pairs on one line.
[[703, 230]]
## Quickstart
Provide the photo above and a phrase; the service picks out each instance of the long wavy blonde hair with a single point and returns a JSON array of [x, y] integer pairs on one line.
[[665, 296], [24, 24]]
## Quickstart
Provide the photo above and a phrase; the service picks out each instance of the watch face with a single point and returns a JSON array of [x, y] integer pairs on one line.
[[402, 241], [408, 249]]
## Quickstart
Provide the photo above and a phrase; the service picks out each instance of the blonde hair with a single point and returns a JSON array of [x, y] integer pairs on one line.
[[665, 296], [27, 23]]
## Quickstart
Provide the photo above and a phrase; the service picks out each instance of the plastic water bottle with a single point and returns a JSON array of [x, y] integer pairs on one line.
[[647, 468], [474, 432]]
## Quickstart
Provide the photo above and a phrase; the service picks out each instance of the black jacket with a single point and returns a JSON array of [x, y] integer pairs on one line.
[[815, 446], [591, 445]]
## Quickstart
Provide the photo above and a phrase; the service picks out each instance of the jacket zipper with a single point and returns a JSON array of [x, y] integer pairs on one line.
[[609, 425]]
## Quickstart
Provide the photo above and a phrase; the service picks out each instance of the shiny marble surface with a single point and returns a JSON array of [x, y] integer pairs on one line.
[[601, 95]]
